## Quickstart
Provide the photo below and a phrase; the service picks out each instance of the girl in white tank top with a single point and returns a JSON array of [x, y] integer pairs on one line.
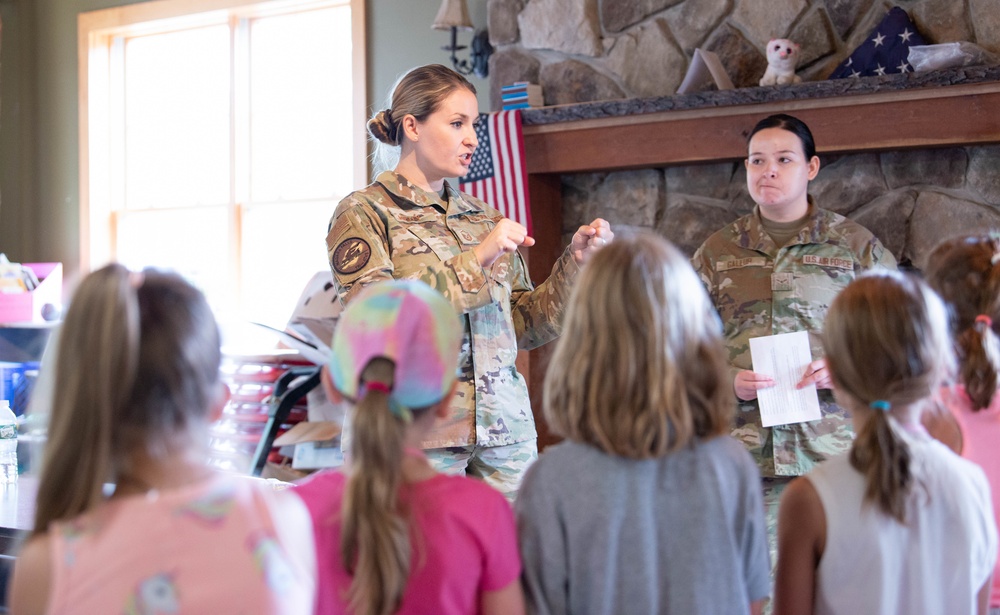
[[900, 524]]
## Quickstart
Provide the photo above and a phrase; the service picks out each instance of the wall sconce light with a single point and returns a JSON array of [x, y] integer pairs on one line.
[[452, 15]]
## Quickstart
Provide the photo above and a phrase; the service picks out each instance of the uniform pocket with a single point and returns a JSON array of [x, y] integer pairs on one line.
[[438, 239]]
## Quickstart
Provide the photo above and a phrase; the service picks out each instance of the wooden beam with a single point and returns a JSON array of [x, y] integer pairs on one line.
[[902, 119], [547, 220]]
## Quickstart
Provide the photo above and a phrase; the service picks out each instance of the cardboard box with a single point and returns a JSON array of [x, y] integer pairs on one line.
[[27, 307], [317, 445]]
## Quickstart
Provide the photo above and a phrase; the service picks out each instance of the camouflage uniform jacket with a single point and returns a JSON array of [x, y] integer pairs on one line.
[[393, 229], [759, 290]]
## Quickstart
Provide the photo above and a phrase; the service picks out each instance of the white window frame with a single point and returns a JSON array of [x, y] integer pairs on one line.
[[96, 29]]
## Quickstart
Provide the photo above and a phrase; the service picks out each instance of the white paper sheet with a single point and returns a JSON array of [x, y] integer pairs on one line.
[[785, 358]]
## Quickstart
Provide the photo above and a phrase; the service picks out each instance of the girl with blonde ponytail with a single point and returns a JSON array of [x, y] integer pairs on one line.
[[965, 271], [137, 375], [392, 535], [900, 524], [648, 506]]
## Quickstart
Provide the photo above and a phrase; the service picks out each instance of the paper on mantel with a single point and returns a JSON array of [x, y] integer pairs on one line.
[[705, 67], [785, 358]]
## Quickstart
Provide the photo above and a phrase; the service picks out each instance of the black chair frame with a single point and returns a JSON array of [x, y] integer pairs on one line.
[[292, 386]]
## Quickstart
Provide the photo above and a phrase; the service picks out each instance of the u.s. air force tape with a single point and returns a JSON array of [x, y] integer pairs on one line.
[[351, 255]]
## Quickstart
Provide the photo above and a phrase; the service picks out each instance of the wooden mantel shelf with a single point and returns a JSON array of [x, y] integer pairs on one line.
[[954, 107]]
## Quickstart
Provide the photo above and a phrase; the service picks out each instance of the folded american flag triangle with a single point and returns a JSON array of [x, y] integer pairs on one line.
[[497, 174], [886, 49]]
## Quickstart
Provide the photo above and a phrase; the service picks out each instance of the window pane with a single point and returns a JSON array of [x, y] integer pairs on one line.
[[301, 101], [177, 118], [283, 246], [192, 242]]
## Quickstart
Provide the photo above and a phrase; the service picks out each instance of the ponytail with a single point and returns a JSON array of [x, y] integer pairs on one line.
[[137, 372], [887, 345], [965, 271], [883, 458], [980, 352], [95, 371], [375, 535]]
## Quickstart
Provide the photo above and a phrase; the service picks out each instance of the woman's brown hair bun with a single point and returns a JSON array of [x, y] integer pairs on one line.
[[382, 127]]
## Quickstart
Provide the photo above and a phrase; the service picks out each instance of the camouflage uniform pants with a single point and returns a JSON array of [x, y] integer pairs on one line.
[[773, 488], [501, 467]]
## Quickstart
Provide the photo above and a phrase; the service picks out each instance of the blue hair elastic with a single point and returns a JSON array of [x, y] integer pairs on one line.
[[880, 404]]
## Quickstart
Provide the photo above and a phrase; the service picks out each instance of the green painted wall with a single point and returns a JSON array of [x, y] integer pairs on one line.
[[39, 172], [400, 37]]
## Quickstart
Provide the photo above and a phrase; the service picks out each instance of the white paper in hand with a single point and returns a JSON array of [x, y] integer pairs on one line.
[[785, 358]]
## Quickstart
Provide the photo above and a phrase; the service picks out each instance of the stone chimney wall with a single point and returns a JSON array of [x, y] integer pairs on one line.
[[588, 50]]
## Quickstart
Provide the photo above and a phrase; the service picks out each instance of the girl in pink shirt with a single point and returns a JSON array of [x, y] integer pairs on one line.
[[138, 382], [965, 271], [392, 535]]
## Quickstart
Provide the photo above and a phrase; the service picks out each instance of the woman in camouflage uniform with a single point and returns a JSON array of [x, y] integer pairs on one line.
[[411, 223], [776, 270]]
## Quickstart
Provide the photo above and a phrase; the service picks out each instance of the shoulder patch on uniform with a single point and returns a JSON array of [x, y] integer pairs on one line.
[[351, 255]]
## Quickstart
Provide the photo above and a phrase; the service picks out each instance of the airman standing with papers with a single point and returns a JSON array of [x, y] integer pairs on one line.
[[776, 270]]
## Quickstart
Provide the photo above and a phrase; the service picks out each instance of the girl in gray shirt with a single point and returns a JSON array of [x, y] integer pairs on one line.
[[648, 507]]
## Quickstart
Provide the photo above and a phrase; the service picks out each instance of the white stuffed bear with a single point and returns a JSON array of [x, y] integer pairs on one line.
[[782, 56]]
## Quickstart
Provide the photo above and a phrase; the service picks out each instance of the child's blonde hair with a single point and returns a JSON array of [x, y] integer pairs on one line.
[[375, 535], [965, 272], [887, 346], [640, 368]]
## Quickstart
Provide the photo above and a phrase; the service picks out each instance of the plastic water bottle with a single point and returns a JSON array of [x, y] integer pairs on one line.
[[8, 444]]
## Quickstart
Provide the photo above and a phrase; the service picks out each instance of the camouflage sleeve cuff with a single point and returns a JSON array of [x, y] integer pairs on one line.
[[886, 259], [567, 266]]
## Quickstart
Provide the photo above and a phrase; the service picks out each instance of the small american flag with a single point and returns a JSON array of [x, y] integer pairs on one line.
[[886, 49], [497, 174]]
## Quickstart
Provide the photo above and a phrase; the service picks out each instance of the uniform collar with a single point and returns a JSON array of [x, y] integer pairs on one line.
[[454, 202], [752, 234]]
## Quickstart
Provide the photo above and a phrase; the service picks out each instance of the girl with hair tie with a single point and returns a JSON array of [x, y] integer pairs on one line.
[[965, 271], [392, 535], [410, 223], [900, 524], [138, 384]]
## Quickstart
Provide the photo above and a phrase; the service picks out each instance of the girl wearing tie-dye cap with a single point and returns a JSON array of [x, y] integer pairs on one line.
[[393, 535]]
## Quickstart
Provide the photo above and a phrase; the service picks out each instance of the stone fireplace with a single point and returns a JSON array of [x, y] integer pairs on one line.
[[914, 158], [636, 51]]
